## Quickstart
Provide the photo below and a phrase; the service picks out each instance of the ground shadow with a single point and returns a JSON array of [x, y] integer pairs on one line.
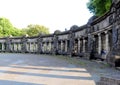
[[8, 82], [47, 75]]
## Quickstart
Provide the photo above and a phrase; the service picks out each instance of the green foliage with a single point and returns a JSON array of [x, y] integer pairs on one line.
[[99, 7], [34, 30], [18, 32], [7, 29]]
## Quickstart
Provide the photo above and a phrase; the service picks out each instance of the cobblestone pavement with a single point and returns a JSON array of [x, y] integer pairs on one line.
[[34, 69]]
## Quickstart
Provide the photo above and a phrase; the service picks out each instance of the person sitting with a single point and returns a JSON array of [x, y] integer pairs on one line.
[[103, 54]]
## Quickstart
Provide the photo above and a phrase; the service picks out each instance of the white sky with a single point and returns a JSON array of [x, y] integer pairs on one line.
[[54, 14]]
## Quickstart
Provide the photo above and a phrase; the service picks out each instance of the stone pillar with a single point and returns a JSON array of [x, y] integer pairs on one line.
[[55, 44], [106, 41], [30, 47], [3, 47], [83, 45], [50, 46], [78, 45], [89, 43], [45, 46], [35, 47], [19, 47], [24, 44], [14, 47], [39, 44], [66, 45], [27, 46], [99, 43], [61, 45]]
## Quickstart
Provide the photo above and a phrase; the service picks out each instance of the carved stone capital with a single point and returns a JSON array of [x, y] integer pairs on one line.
[[106, 31], [99, 34]]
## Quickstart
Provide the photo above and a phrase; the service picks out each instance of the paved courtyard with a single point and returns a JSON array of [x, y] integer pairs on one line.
[[34, 69]]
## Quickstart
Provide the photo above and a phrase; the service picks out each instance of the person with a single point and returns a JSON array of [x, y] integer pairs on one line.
[[103, 54]]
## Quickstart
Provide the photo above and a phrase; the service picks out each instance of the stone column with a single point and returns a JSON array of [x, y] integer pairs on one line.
[[99, 43], [27, 47], [78, 45], [19, 47], [45, 46], [66, 45], [83, 44], [30, 47], [14, 46], [33, 46], [61, 45], [50, 46], [89, 43], [3, 47], [11, 47], [106, 41], [24, 44]]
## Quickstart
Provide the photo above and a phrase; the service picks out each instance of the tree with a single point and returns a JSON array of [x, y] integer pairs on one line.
[[99, 7], [18, 32], [34, 30], [5, 26], [7, 29]]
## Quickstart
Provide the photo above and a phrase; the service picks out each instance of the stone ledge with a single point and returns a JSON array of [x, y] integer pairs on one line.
[[113, 80], [105, 83]]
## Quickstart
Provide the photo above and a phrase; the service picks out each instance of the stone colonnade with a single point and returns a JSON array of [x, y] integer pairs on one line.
[[40, 44], [102, 41], [64, 44]]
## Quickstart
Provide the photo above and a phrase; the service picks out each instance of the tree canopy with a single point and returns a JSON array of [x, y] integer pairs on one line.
[[99, 7], [35, 29], [7, 29]]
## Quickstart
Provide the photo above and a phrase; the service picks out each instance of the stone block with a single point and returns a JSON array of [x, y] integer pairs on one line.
[[114, 80]]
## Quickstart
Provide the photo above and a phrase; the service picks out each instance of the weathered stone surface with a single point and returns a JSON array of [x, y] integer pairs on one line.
[[115, 80]]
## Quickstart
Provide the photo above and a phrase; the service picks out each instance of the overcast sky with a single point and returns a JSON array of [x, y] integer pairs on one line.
[[54, 14]]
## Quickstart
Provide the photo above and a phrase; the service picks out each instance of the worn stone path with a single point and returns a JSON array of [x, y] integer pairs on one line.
[[34, 69]]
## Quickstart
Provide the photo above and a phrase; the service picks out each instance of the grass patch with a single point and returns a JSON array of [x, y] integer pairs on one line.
[[72, 60]]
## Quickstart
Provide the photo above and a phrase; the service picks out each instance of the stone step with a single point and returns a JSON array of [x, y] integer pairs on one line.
[[113, 80], [105, 83]]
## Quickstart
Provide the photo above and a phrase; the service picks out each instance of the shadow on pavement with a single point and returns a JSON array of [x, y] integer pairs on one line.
[[8, 82]]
